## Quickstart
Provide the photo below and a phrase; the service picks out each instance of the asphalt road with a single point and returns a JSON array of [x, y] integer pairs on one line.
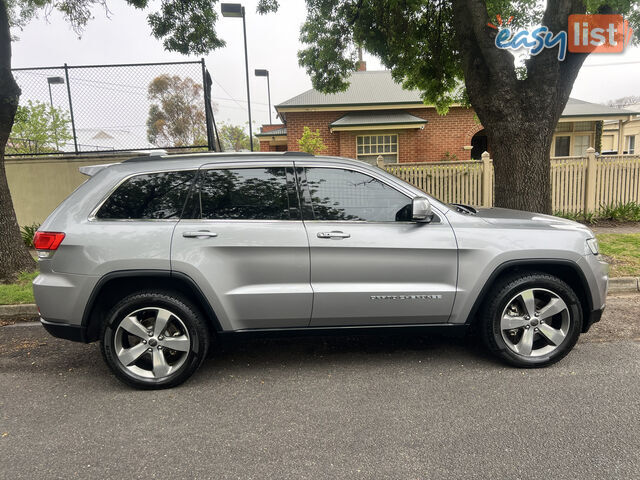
[[356, 407]]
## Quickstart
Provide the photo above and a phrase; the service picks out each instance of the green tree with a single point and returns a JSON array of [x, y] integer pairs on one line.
[[311, 142], [235, 138], [39, 128], [446, 49], [177, 117]]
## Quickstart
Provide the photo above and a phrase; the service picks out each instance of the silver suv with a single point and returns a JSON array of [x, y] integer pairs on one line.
[[155, 256]]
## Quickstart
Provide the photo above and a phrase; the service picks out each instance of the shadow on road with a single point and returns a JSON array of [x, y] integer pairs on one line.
[[32, 349]]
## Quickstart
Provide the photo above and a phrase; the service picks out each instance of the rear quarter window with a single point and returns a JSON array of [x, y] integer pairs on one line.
[[150, 196]]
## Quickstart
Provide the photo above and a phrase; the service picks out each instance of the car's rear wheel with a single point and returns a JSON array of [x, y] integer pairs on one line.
[[531, 319], [154, 340]]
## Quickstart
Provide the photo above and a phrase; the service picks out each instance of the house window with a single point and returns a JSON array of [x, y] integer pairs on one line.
[[562, 146], [629, 144], [580, 144], [369, 147], [607, 143]]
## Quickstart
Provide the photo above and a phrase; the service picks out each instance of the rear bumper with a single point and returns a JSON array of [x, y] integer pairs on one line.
[[75, 333], [62, 297]]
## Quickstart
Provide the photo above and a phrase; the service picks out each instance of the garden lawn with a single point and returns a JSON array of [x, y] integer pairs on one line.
[[19, 292], [622, 251]]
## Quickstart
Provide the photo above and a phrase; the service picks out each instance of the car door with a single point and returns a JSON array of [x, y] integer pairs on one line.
[[370, 264], [241, 238]]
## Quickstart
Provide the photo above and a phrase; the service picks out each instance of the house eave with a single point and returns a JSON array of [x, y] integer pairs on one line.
[[593, 118], [272, 138], [352, 106]]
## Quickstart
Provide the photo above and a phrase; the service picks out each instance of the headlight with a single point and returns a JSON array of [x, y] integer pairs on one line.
[[592, 243]]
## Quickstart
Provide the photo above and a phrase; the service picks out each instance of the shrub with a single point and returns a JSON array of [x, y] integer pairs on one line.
[[311, 142], [627, 212], [28, 232], [448, 157]]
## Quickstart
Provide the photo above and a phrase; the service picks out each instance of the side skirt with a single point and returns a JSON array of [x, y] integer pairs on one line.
[[444, 329]]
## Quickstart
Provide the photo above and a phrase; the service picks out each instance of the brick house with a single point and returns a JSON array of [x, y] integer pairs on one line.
[[376, 116]]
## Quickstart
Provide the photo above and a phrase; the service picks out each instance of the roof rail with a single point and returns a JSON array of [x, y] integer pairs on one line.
[[145, 158], [152, 158]]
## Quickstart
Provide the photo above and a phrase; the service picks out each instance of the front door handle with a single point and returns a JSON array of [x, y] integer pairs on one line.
[[334, 234], [199, 234]]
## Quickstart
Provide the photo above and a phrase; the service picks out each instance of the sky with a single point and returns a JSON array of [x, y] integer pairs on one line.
[[123, 36]]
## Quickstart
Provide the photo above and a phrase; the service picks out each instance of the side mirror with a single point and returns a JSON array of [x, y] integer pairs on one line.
[[421, 208]]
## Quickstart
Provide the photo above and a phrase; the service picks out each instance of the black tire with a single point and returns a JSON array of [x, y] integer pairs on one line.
[[186, 320], [500, 297]]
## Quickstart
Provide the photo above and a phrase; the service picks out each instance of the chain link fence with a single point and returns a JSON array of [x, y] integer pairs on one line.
[[111, 108]]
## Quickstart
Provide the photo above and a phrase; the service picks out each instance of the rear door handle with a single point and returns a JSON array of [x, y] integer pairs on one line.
[[334, 234], [199, 234]]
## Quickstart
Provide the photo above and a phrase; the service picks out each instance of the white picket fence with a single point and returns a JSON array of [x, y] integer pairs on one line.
[[578, 184]]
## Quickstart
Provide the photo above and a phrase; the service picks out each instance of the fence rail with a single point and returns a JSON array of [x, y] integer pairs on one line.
[[578, 184]]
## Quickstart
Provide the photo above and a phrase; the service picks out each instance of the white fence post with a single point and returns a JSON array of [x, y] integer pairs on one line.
[[486, 180], [590, 184]]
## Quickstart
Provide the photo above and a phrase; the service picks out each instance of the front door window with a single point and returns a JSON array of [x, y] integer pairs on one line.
[[338, 194]]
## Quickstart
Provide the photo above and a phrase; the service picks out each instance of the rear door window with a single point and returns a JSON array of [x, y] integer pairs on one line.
[[244, 194], [150, 196]]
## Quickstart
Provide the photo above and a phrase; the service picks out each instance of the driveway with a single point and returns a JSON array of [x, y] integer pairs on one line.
[[368, 407]]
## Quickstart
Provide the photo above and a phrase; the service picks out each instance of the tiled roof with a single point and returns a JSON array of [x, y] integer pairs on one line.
[[379, 88], [364, 88], [579, 108]]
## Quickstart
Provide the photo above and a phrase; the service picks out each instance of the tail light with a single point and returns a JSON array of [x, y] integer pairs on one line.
[[47, 242]]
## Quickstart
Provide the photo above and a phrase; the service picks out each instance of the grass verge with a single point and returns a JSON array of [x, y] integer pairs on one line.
[[622, 251], [19, 292]]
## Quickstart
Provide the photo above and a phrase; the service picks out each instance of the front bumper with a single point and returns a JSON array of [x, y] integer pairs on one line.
[[592, 318]]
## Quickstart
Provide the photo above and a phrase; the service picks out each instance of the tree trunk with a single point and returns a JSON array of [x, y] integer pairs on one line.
[[14, 256], [521, 165], [518, 114]]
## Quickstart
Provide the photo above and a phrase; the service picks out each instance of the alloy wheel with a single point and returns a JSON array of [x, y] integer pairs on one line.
[[152, 343], [535, 322]]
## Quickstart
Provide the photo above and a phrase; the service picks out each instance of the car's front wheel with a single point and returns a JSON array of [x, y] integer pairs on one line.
[[154, 339], [531, 319]]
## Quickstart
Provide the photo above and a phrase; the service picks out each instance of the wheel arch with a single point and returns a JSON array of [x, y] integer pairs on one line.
[[115, 285], [565, 270]]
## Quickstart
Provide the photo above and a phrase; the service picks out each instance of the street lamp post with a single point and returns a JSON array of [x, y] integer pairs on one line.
[[236, 10], [54, 81], [265, 73]]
